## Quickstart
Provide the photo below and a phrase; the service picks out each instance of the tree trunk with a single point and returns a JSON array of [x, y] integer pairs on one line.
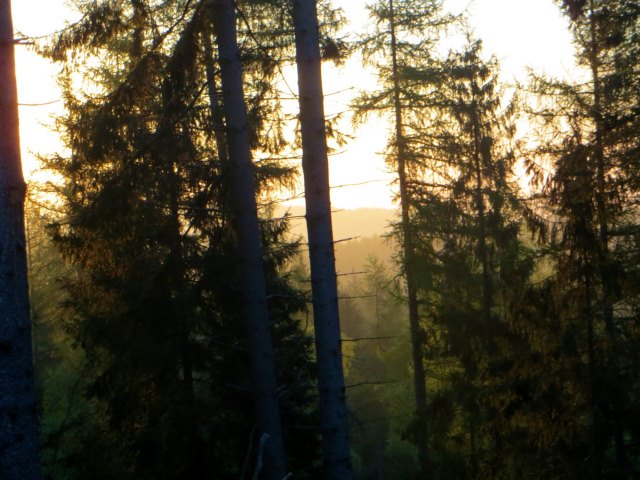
[[603, 251], [408, 254], [19, 459], [214, 102], [487, 287], [243, 189], [333, 408], [594, 391]]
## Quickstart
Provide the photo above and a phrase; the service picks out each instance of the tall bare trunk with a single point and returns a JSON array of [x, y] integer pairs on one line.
[[243, 190], [19, 458], [483, 251], [315, 165], [217, 119]]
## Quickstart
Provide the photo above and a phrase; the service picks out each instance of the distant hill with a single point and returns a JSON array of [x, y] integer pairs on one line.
[[353, 256], [366, 229], [361, 222]]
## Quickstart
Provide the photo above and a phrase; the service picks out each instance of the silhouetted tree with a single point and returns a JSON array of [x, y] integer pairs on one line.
[[19, 455], [592, 143], [402, 43], [147, 220], [245, 219], [467, 222], [315, 167]]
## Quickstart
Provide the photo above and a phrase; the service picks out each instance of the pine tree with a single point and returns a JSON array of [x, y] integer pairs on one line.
[[66, 416], [377, 356]]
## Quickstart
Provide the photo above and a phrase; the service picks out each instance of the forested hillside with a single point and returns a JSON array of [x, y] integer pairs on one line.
[[360, 234], [187, 324], [347, 223]]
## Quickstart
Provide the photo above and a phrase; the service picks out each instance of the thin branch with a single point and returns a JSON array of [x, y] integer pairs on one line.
[[368, 338], [369, 383]]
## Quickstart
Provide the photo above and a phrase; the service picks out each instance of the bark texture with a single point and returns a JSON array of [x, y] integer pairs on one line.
[[250, 249], [18, 404], [333, 409]]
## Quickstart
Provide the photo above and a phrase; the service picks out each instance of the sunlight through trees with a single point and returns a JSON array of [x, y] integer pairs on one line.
[[188, 324]]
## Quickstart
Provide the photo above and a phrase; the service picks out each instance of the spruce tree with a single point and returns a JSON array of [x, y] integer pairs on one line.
[[467, 225], [592, 195], [148, 222]]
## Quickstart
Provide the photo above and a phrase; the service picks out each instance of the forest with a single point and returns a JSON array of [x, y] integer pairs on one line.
[[164, 315]]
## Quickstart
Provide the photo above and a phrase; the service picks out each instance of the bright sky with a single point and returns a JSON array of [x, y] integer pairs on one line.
[[520, 33], [36, 79]]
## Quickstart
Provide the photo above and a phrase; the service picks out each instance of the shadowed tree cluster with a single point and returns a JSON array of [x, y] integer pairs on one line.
[[193, 362]]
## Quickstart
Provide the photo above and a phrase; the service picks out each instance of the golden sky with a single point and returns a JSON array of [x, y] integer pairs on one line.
[[520, 33]]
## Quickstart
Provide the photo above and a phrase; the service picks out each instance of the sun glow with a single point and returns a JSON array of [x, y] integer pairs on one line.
[[520, 33], [38, 94]]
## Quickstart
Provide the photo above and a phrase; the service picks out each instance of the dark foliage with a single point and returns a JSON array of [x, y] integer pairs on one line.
[[154, 296]]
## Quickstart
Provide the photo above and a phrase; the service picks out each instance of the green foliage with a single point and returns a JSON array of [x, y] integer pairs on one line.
[[467, 224], [400, 49], [379, 391], [66, 415], [591, 147]]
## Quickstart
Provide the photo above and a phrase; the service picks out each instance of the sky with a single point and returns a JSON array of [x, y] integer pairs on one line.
[[38, 95], [521, 33]]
